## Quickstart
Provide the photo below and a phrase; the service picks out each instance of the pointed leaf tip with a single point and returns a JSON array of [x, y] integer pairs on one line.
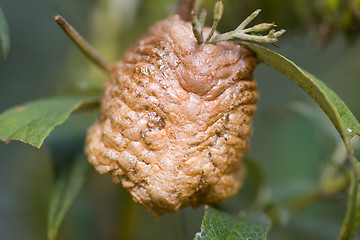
[[32, 122]]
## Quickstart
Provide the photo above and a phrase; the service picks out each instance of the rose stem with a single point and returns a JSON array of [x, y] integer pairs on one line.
[[84, 46]]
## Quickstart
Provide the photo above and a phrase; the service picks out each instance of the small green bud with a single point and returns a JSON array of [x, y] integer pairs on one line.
[[202, 17], [197, 26], [256, 12], [241, 32], [218, 11], [279, 33], [262, 27]]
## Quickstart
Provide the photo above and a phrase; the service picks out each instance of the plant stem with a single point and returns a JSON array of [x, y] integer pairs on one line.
[[198, 25], [348, 229], [218, 12], [240, 33], [351, 221], [84, 46], [248, 19], [248, 34], [184, 8]]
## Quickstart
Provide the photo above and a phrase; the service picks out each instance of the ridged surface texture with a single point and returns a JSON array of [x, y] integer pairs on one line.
[[175, 119]]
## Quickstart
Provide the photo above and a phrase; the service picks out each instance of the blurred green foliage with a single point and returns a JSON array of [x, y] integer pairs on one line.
[[289, 147], [325, 18], [4, 35]]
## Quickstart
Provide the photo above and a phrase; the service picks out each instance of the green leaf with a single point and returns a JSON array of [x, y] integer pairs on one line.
[[340, 115], [4, 35], [67, 185], [218, 225], [33, 121]]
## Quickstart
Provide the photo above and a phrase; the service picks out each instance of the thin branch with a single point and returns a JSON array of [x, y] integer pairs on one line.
[[84, 46], [351, 220], [249, 34], [184, 8], [218, 12], [198, 24]]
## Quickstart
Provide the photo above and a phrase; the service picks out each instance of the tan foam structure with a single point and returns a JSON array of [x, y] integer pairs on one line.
[[175, 119]]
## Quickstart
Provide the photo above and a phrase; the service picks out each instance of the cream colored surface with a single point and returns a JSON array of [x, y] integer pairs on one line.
[[175, 119]]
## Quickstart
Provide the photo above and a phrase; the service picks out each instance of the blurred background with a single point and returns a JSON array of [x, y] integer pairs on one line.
[[292, 144]]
